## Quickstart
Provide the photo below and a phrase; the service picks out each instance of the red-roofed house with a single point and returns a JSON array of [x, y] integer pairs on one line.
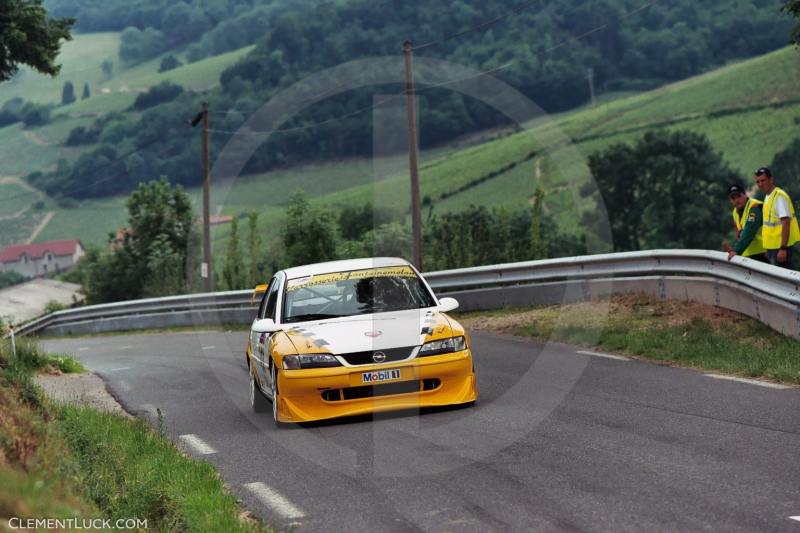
[[41, 258]]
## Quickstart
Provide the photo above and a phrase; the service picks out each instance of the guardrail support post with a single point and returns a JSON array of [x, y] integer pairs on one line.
[[13, 343]]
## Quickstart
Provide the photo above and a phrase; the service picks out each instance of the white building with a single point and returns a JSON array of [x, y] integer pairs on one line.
[[42, 258]]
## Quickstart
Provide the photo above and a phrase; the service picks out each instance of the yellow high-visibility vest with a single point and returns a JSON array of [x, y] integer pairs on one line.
[[772, 229], [756, 246]]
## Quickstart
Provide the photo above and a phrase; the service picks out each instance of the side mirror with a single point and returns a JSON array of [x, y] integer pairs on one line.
[[447, 304], [265, 325]]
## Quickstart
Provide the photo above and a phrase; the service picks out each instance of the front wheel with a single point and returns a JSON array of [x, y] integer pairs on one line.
[[257, 400], [273, 374]]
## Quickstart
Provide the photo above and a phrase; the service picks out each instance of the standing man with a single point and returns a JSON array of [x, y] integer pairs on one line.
[[780, 231], [747, 219]]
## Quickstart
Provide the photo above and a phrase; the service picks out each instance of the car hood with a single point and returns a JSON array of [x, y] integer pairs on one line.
[[380, 331]]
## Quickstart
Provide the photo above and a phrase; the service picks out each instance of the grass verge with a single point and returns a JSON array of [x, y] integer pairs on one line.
[[69, 461], [684, 333]]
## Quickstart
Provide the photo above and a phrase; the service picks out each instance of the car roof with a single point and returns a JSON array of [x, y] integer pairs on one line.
[[343, 266]]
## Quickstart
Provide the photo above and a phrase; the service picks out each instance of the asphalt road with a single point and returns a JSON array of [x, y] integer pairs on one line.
[[558, 441]]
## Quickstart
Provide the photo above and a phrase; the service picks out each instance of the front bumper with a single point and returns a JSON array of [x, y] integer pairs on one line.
[[301, 391]]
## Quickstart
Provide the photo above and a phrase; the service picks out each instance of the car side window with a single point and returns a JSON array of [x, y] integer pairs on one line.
[[263, 303], [272, 299]]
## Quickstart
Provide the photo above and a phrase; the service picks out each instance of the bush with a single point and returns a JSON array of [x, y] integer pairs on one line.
[[140, 45], [10, 278], [35, 114], [82, 135], [163, 92], [168, 63], [52, 306], [8, 117], [68, 93]]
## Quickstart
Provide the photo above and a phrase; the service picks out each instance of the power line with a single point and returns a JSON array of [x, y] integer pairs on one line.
[[102, 167], [601, 27], [363, 109], [480, 26]]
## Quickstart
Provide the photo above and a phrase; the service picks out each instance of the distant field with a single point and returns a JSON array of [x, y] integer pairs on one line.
[[21, 228], [80, 61], [25, 150], [13, 198], [126, 84], [90, 220]]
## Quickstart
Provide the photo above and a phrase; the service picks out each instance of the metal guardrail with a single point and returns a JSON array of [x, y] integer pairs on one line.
[[751, 287]]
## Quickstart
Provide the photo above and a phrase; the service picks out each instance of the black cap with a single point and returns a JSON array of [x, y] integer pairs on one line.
[[735, 188], [764, 171]]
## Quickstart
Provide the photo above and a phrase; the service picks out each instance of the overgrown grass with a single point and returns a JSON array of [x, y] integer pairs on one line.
[[131, 471], [30, 358], [65, 461], [687, 334]]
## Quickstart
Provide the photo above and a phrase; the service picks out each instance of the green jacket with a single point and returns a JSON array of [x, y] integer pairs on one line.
[[751, 227]]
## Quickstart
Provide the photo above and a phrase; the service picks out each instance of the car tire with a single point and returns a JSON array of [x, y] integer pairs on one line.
[[273, 374], [258, 401]]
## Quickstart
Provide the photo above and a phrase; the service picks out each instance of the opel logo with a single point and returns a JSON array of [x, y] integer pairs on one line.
[[379, 357]]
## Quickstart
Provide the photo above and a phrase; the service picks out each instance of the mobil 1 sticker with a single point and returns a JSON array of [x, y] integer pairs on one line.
[[380, 375]]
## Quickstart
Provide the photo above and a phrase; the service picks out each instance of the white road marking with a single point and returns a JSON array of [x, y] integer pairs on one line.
[[197, 444], [82, 349], [125, 347], [750, 381], [120, 368], [795, 518], [274, 500], [208, 347], [606, 355]]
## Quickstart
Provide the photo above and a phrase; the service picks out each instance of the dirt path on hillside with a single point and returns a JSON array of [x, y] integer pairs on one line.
[[16, 180], [38, 229], [34, 138]]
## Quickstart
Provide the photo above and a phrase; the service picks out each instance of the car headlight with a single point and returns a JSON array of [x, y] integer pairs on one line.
[[312, 360], [450, 345]]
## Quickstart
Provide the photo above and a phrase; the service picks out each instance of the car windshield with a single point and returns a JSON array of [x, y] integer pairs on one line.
[[354, 292]]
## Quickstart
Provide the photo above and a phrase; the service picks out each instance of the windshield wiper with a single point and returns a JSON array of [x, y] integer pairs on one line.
[[310, 316]]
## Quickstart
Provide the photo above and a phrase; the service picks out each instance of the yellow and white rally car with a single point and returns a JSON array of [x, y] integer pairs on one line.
[[354, 337]]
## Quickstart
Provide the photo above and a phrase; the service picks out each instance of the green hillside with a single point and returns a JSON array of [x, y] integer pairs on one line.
[[25, 150], [748, 110]]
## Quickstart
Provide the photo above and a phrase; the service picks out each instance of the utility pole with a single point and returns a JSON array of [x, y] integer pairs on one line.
[[413, 157], [206, 269], [590, 77]]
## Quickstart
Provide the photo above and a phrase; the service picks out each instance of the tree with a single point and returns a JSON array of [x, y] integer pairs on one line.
[[163, 92], [168, 63], [107, 67], [232, 272], [86, 93], [153, 258], [28, 37], [68, 93], [792, 7], [256, 270], [309, 233], [35, 114], [665, 191], [538, 244]]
